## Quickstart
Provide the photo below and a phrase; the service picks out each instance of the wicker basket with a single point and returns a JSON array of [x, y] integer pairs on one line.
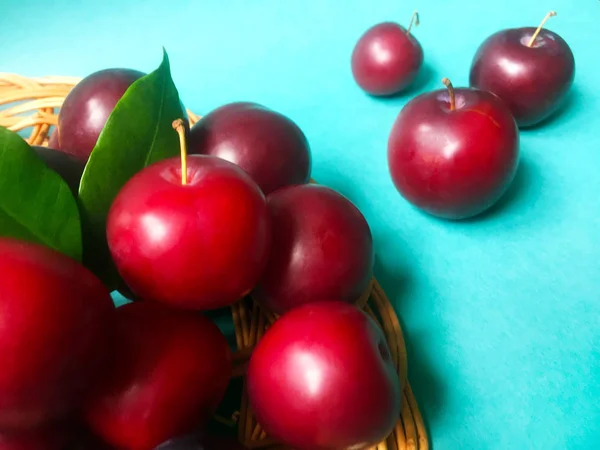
[[30, 106]]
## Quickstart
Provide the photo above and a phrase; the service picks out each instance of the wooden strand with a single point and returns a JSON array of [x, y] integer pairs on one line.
[[237, 325], [40, 131], [256, 433], [21, 122], [38, 93], [392, 441], [271, 317], [193, 117], [14, 79], [254, 323], [371, 313], [409, 425], [390, 332], [243, 355], [364, 298], [392, 315], [262, 325], [47, 104], [414, 408], [17, 80], [243, 415], [393, 330], [32, 103], [400, 435], [245, 324]]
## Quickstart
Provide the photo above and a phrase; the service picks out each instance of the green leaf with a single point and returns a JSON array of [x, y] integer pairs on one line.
[[138, 133], [36, 204]]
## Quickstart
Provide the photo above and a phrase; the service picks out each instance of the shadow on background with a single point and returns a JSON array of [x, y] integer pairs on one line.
[[518, 192], [572, 103], [419, 84], [428, 386]]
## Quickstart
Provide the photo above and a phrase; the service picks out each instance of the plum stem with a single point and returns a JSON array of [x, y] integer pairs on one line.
[[413, 20], [180, 128], [535, 35], [448, 84]]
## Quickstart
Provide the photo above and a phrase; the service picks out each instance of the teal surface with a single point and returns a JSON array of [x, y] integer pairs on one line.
[[502, 313]]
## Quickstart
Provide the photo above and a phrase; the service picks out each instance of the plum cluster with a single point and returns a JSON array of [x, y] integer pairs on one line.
[[453, 153], [235, 215]]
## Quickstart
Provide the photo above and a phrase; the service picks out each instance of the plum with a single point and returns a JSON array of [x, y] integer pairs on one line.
[[88, 106]]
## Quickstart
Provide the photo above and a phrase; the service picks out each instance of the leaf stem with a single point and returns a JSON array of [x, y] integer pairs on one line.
[[180, 128]]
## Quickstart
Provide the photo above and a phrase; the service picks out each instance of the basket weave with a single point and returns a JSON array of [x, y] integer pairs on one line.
[[31, 105]]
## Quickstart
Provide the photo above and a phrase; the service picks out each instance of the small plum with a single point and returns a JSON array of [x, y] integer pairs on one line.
[[87, 107], [265, 143], [387, 58]]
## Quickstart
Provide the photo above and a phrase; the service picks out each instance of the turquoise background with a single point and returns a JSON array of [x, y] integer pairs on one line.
[[501, 313]]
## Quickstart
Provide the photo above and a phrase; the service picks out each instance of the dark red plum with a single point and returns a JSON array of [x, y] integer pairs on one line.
[[322, 248], [269, 146], [387, 58], [329, 363], [171, 372], [88, 106], [531, 70], [453, 152], [59, 338]]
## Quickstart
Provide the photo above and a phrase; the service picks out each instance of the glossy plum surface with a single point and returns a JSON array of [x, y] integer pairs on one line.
[[453, 163], [172, 369], [386, 59], [56, 334], [322, 248], [329, 364], [202, 245], [265, 143], [533, 81], [87, 107]]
